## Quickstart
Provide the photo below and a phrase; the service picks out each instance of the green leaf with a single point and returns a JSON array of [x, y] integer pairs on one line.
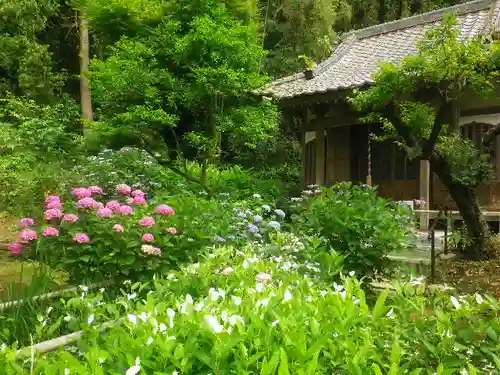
[[269, 368], [377, 370], [379, 308], [283, 370]]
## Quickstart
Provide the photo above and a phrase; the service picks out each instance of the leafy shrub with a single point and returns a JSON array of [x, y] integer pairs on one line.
[[356, 223], [249, 311], [36, 147]]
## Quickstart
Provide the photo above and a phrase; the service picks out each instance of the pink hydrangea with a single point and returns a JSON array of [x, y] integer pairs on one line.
[[86, 203], [148, 237], [54, 205], [130, 200], [123, 189], [51, 232], [27, 222], [27, 235], [139, 200], [96, 190], [52, 198], [81, 192], [113, 205], [118, 228], [98, 205], [70, 218], [147, 221], [172, 230], [150, 250], [138, 193], [105, 212], [81, 238], [164, 209], [263, 277], [16, 248], [126, 210], [53, 213]]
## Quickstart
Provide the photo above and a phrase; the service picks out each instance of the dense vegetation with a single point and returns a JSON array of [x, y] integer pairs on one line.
[[135, 152]]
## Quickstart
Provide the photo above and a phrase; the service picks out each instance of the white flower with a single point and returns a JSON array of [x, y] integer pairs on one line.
[[259, 287], [162, 327], [132, 318], [227, 271], [171, 315], [287, 296], [390, 314], [479, 298], [263, 302], [90, 319], [102, 360], [214, 323], [213, 295], [236, 300], [273, 324], [131, 296], [150, 341], [199, 306], [351, 273], [224, 316], [233, 319], [455, 302], [85, 288], [49, 309], [134, 370], [67, 318], [309, 299], [67, 371]]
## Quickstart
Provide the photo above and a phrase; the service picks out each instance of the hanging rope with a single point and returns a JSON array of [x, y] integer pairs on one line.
[[371, 136]]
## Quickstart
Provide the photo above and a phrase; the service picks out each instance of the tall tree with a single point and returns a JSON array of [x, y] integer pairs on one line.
[[419, 103]]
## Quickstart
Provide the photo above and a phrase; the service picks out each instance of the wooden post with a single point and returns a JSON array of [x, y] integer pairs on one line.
[[303, 159], [424, 192], [320, 153]]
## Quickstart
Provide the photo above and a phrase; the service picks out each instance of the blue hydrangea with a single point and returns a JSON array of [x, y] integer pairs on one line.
[[253, 228], [257, 219], [256, 196], [266, 207], [274, 224], [279, 213], [219, 239]]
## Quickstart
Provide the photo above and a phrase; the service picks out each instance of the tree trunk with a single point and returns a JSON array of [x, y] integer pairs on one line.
[[476, 246], [85, 93]]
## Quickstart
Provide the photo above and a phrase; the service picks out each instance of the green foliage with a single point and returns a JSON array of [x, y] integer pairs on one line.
[[356, 223], [233, 313], [37, 144], [184, 85]]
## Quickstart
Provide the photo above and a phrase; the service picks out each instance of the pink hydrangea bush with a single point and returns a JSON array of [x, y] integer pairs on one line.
[[99, 235]]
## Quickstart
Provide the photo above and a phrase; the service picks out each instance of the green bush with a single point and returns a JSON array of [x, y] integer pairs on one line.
[[37, 146], [355, 222], [249, 311]]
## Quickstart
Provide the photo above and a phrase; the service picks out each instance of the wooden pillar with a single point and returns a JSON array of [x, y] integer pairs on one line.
[[320, 153], [303, 158], [303, 149], [424, 192]]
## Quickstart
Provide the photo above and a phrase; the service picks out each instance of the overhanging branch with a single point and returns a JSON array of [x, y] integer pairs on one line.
[[490, 135]]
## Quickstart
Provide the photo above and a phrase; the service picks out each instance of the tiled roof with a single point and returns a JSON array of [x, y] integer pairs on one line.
[[357, 58]]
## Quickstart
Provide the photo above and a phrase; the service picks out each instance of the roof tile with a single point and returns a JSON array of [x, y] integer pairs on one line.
[[358, 57]]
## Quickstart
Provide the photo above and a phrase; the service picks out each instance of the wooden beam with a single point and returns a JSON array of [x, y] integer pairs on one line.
[[424, 192], [320, 154]]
